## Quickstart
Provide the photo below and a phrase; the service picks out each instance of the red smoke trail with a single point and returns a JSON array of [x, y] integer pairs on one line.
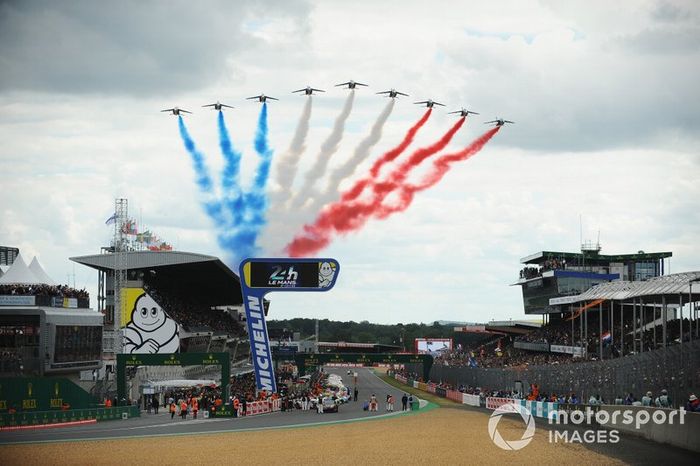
[[347, 216], [440, 167], [389, 156]]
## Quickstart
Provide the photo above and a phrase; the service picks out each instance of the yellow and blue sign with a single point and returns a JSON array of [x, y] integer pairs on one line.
[[261, 276]]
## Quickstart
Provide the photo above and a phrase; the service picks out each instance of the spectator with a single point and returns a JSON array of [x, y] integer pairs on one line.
[[663, 401], [693, 404]]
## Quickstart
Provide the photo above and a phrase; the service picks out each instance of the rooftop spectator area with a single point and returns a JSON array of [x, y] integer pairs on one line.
[[559, 258]]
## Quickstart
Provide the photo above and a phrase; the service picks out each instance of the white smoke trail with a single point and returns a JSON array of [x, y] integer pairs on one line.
[[286, 169], [288, 163], [328, 148], [347, 169]]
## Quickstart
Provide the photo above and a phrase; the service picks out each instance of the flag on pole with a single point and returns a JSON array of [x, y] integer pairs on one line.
[[111, 219]]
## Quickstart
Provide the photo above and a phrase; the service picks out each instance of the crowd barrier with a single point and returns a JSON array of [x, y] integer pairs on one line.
[[493, 402], [471, 400], [454, 395], [34, 418], [544, 409]]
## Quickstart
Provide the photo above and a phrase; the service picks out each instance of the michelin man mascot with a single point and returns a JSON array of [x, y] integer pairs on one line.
[[150, 329], [326, 272]]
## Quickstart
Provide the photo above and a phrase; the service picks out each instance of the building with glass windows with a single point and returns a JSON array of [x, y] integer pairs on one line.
[[554, 274]]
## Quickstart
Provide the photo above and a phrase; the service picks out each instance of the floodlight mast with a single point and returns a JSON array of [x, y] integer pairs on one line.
[[121, 211]]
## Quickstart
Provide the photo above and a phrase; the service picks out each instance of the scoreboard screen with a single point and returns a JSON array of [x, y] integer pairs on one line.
[[284, 275]]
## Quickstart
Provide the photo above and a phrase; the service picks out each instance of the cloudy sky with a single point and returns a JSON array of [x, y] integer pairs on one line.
[[604, 95]]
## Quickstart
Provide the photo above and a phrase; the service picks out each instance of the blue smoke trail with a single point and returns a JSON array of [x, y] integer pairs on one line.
[[247, 209], [233, 196], [256, 198], [212, 207]]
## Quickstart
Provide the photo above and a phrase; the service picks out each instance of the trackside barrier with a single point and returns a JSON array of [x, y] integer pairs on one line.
[[258, 407], [454, 395], [276, 405], [685, 435], [33, 418], [493, 402], [543, 409], [471, 400], [459, 397]]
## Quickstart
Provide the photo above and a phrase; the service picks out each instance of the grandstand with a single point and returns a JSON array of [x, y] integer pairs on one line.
[[611, 325], [200, 293], [45, 329]]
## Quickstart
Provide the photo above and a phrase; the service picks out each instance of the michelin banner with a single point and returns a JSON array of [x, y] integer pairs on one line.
[[146, 327], [261, 276]]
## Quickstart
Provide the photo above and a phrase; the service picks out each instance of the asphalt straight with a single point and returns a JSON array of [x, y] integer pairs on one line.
[[161, 424]]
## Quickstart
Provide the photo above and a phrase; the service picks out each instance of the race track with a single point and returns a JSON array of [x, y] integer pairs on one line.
[[161, 424]]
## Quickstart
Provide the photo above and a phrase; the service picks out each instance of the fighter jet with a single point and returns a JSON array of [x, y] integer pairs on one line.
[[351, 84], [308, 90], [499, 122], [217, 106], [175, 110], [393, 93], [464, 112], [261, 98], [429, 103]]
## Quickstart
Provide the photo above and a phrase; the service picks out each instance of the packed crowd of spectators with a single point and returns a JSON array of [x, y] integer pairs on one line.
[[191, 315], [549, 264], [559, 333], [660, 400], [57, 291]]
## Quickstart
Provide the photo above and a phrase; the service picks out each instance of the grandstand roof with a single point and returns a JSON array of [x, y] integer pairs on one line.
[[674, 284], [205, 277]]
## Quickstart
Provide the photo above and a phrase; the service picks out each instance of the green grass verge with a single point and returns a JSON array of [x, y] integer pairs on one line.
[[414, 391]]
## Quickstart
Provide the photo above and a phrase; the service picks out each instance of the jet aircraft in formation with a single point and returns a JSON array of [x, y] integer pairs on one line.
[[429, 103], [308, 90], [393, 93], [499, 122], [464, 112], [351, 84], [261, 98], [175, 110], [217, 106]]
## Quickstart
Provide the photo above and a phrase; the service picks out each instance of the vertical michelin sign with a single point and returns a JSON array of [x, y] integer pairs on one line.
[[261, 276]]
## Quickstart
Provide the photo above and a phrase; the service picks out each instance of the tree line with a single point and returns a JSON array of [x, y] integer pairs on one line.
[[401, 335]]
